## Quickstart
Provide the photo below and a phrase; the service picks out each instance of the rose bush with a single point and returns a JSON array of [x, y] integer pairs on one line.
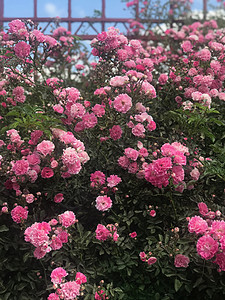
[[104, 175]]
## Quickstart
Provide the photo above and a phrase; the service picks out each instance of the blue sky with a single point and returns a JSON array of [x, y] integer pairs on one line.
[[80, 8]]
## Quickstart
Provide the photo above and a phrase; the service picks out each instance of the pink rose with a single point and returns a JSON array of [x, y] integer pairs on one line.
[[47, 172], [181, 261]]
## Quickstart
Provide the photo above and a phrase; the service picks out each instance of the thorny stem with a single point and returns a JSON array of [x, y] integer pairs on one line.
[[173, 204], [46, 281]]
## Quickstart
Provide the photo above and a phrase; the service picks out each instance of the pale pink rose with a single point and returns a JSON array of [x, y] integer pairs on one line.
[[113, 180], [21, 167], [163, 78], [102, 233], [187, 46], [67, 219], [204, 55], [123, 161], [122, 103], [58, 108], [70, 290], [29, 198], [118, 80], [217, 229], [98, 110], [138, 130], [181, 261], [54, 164], [195, 174], [103, 203], [148, 89], [45, 147], [197, 225], [131, 153]]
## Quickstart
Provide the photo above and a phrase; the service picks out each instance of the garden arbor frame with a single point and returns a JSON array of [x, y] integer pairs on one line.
[[103, 20]]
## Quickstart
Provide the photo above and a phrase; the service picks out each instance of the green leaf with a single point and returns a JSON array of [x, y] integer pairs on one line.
[[177, 284], [3, 228]]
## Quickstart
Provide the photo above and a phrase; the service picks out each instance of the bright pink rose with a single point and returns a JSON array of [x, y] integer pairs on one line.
[[19, 214], [142, 256], [57, 275], [207, 247], [133, 234], [152, 260], [100, 295], [47, 172], [115, 132], [33, 159], [58, 198], [220, 261], [53, 296], [22, 49], [80, 278], [152, 213], [97, 179], [203, 209]]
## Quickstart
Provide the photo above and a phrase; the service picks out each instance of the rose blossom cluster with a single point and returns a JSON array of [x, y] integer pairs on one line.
[[40, 160], [49, 236], [74, 109], [202, 64], [148, 258], [104, 233], [21, 39], [67, 290], [170, 166], [109, 184], [211, 229], [134, 160]]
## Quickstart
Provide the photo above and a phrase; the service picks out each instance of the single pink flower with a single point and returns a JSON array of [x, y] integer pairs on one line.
[[181, 261]]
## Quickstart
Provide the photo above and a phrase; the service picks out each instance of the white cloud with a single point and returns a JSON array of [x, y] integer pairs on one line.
[[52, 10]]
